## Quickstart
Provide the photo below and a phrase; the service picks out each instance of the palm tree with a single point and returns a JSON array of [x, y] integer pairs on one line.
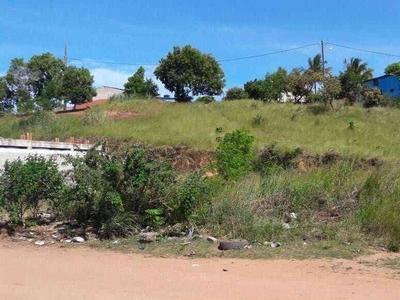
[[353, 78], [359, 68], [315, 65]]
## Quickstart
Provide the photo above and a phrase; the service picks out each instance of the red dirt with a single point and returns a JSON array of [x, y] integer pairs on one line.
[[34, 273]]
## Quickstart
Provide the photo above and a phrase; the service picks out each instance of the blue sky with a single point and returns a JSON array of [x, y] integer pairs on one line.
[[144, 31]]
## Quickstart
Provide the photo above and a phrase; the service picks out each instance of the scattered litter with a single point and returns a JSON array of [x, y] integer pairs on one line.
[[190, 233], [186, 243], [39, 243], [191, 254], [142, 247], [212, 239], [225, 270], [115, 242], [195, 266], [247, 247], [67, 241], [286, 225], [78, 239], [293, 215], [275, 244]]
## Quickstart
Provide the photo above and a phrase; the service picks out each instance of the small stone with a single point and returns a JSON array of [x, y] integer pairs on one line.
[[225, 270], [195, 266], [78, 239], [212, 239], [39, 243], [67, 241]]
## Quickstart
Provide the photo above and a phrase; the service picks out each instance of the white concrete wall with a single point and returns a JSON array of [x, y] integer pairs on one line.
[[14, 153], [105, 92]]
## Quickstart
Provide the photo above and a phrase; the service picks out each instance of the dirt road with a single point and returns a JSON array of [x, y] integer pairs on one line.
[[32, 273]]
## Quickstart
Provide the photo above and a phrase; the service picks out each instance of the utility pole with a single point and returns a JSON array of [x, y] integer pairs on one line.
[[66, 54], [323, 57]]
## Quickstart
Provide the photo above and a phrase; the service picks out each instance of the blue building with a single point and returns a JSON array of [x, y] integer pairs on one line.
[[388, 84]]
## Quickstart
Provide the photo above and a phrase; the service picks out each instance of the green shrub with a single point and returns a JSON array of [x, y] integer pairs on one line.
[[205, 99], [235, 93], [108, 183], [191, 201], [40, 119], [235, 154], [119, 225], [26, 184], [257, 120]]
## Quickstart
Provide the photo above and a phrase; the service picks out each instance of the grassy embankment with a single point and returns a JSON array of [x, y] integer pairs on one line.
[[376, 131], [340, 206]]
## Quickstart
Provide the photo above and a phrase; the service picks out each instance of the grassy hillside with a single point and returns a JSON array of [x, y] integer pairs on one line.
[[376, 131]]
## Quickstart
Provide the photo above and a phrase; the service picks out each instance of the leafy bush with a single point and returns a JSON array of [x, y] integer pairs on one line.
[[191, 200], [235, 93], [373, 98], [26, 184], [235, 154], [109, 183], [39, 119], [205, 99]]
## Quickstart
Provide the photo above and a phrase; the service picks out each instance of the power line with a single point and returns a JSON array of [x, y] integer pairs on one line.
[[267, 54], [364, 50], [222, 60], [112, 62]]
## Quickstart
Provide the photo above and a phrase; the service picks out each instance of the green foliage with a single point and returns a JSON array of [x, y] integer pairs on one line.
[[353, 78], [138, 85], [206, 99], [330, 89], [269, 89], [186, 70], [26, 184], [108, 183], [373, 98], [155, 217], [393, 69], [235, 93], [234, 154], [301, 83], [77, 85], [191, 200]]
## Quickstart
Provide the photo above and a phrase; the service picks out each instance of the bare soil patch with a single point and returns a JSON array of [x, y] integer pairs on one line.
[[28, 272]]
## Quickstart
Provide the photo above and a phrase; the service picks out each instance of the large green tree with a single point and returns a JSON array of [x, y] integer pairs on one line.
[[353, 78], [268, 89], [77, 86], [43, 70], [186, 71], [139, 85], [393, 69]]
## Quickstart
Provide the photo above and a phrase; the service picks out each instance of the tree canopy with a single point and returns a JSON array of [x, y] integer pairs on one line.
[[139, 85], [393, 69], [187, 72], [77, 85]]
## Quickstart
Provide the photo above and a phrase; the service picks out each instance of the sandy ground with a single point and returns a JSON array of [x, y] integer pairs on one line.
[[28, 272]]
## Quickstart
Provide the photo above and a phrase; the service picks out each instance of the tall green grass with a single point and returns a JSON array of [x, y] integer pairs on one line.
[[376, 131]]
